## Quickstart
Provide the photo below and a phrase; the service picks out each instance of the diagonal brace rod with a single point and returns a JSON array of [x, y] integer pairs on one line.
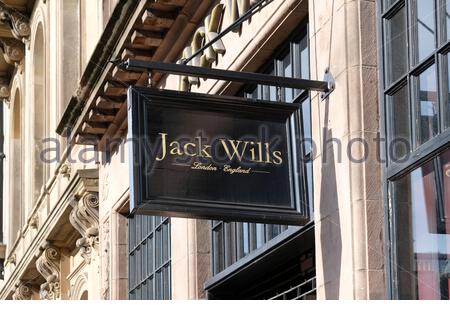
[[227, 75]]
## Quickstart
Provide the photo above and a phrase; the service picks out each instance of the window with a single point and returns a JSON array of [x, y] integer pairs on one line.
[[231, 241], [415, 67], [149, 258], [69, 49], [422, 211], [40, 111], [16, 161]]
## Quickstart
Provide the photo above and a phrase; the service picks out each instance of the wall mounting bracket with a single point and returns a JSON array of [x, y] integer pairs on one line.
[[243, 77], [328, 78]]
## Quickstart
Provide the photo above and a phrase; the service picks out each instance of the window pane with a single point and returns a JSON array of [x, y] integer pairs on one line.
[[287, 72], [427, 109], [398, 111], [309, 177], [444, 9], [245, 239], [423, 28], [423, 234], [306, 122], [219, 255], [445, 67], [388, 3], [395, 46], [259, 235], [151, 252], [445, 169]]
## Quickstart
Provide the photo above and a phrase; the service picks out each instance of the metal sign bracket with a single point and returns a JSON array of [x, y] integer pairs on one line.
[[329, 79], [325, 86]]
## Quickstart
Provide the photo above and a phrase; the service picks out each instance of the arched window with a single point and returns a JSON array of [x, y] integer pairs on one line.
[[70, 49], [16, 160], [84, 296], [40, 111]]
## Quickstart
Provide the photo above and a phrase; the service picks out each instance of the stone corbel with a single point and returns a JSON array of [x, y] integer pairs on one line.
[[13, 50], [23, 291], [84, 218], [4, 88], [48, 265], [18, 22]]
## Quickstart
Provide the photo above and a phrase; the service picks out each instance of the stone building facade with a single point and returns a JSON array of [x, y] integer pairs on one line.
[[67, 229]]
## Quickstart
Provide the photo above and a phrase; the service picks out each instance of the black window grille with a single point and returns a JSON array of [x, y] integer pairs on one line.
[[415, 45], [149, 258], [232, 241]]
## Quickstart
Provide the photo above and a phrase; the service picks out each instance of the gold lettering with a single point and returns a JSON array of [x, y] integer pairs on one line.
[[204, 34], [176, 148], [235, 149], [267, 152], [277, 157], [163, 144], [237, 8], [186, 151]]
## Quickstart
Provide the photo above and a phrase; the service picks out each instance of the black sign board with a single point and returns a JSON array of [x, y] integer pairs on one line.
[[214, 157]]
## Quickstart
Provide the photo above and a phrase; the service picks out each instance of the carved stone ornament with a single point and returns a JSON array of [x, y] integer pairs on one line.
[[4, 88], [13, 50], [48, 265], [19, 23], [84, 218], [23, 291], [65, 170], [12, 259], [34, 221]]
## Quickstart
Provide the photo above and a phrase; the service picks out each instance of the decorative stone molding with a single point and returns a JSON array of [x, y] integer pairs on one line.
[[23, 291], [13, 50], [12, 259], [48, 265], [84, 218], [4, 88], [65, 170], [105, 260], [19, 23], [34, 221]]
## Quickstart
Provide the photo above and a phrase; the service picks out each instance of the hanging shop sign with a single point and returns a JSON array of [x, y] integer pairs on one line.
[[214, 157]]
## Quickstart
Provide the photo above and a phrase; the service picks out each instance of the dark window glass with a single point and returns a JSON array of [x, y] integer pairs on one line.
[[399, 122], [421, 202], [423, 28], [427, 104], [396, 46], [445, 67], [149, 258], [286, 71]]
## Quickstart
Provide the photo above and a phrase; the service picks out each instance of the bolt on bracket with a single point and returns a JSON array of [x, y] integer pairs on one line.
[[328, 78]]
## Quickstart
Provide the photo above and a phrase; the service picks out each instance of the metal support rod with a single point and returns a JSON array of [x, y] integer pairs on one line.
[[227, 75], [257, 7]]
